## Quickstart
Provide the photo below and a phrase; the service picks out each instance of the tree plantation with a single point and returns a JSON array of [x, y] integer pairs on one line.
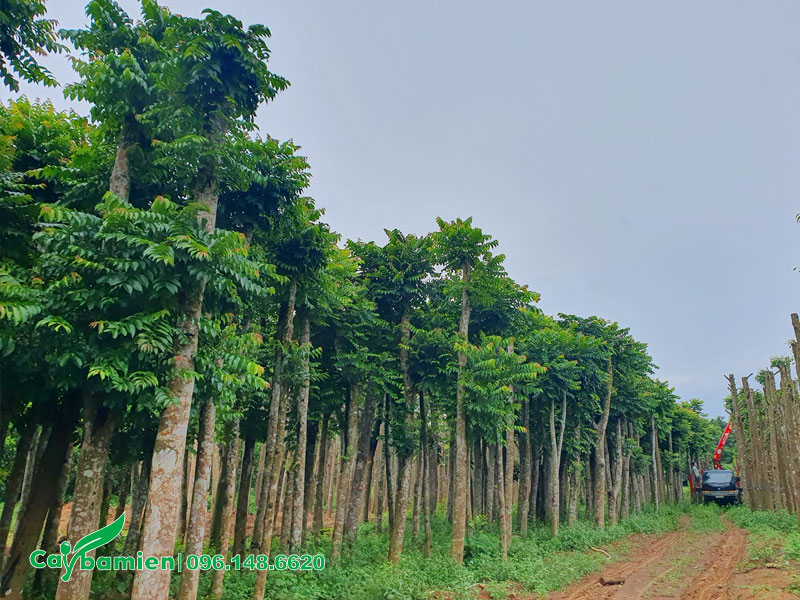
[[186, 343], [767, 422]]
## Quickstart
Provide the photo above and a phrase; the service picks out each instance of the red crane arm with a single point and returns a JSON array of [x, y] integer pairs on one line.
[[717, 459]]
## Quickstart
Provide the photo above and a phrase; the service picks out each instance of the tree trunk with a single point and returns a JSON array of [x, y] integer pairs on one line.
[[312, 452], [599, 453], [756, 449], [626, 477], [277, 484], [381, 499], [398, 526], [524, 470], [332, 468], [777, 443], [477, 477], [286, 507], [387, 460], [671, 491], [274, 441], [44, 491], [509, 465], [228, 506], [783, 409], [370, 470], [491, 480], [106, 499], [501, 500], [196, 531], [616, 486], [262, 462], [120, 181], [259, 493], [741, 444], [161, 514], [34, 452], [185, 484], [186, 498], [419, 475], [574, 489], [789, 401], [589, 483], [122, 496], [536, 454], [243, 499], [427, 509], [433, 464], [14, 484], [217, 462], [556, 444], [355, 508], [99, 424], [346, 470], [316, 526], [654, 446], [460, 464], [564, 488], [298, 512], [637, 484], [469, 494], [139, 490], [449, 469], [218, 500], [405, 460], [51, 526]]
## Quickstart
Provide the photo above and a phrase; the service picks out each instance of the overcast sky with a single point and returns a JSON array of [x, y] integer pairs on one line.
[[638, 161]]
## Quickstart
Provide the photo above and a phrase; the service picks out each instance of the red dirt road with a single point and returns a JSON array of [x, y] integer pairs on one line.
[[684, 565]]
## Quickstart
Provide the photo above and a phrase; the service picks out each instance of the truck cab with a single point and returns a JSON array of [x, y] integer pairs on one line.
[[721, 486]]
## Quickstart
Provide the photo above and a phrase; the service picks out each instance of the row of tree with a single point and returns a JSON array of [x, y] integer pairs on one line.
[[767, 424], [182, 335]]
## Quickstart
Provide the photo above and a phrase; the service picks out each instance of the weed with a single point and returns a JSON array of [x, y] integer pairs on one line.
[[773, 535]]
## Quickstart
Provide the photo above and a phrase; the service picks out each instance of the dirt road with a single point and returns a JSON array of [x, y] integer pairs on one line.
[[684, 565]]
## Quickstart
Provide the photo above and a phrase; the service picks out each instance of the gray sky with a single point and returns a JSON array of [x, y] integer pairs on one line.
[[638, 161]]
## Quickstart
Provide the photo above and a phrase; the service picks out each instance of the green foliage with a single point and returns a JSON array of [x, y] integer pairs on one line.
[[34, 138], [24, 34], [492, 373], [97, 292], [115, 73]]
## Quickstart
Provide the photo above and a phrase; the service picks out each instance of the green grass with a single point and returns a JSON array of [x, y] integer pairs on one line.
[[773, 536], [536, 562], [707, 518]]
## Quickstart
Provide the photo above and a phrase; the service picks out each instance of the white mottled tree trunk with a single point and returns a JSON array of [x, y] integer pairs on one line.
[[162, 512], [196, 530], [298, 510]]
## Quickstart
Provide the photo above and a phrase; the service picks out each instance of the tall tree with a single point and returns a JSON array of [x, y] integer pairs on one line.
[[216, 79], [461, 248]]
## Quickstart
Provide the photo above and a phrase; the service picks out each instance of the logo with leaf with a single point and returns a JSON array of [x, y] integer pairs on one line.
[[86, 544]]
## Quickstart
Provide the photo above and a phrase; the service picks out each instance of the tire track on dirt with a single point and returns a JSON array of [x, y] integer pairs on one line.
[[714, 582], [643, 555]]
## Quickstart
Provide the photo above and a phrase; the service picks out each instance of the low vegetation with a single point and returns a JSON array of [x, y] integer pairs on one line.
[[773, 538]]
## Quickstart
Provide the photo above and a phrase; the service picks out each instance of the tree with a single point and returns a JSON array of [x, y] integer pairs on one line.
[[215, 81], [461, 249], [396, 277]]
